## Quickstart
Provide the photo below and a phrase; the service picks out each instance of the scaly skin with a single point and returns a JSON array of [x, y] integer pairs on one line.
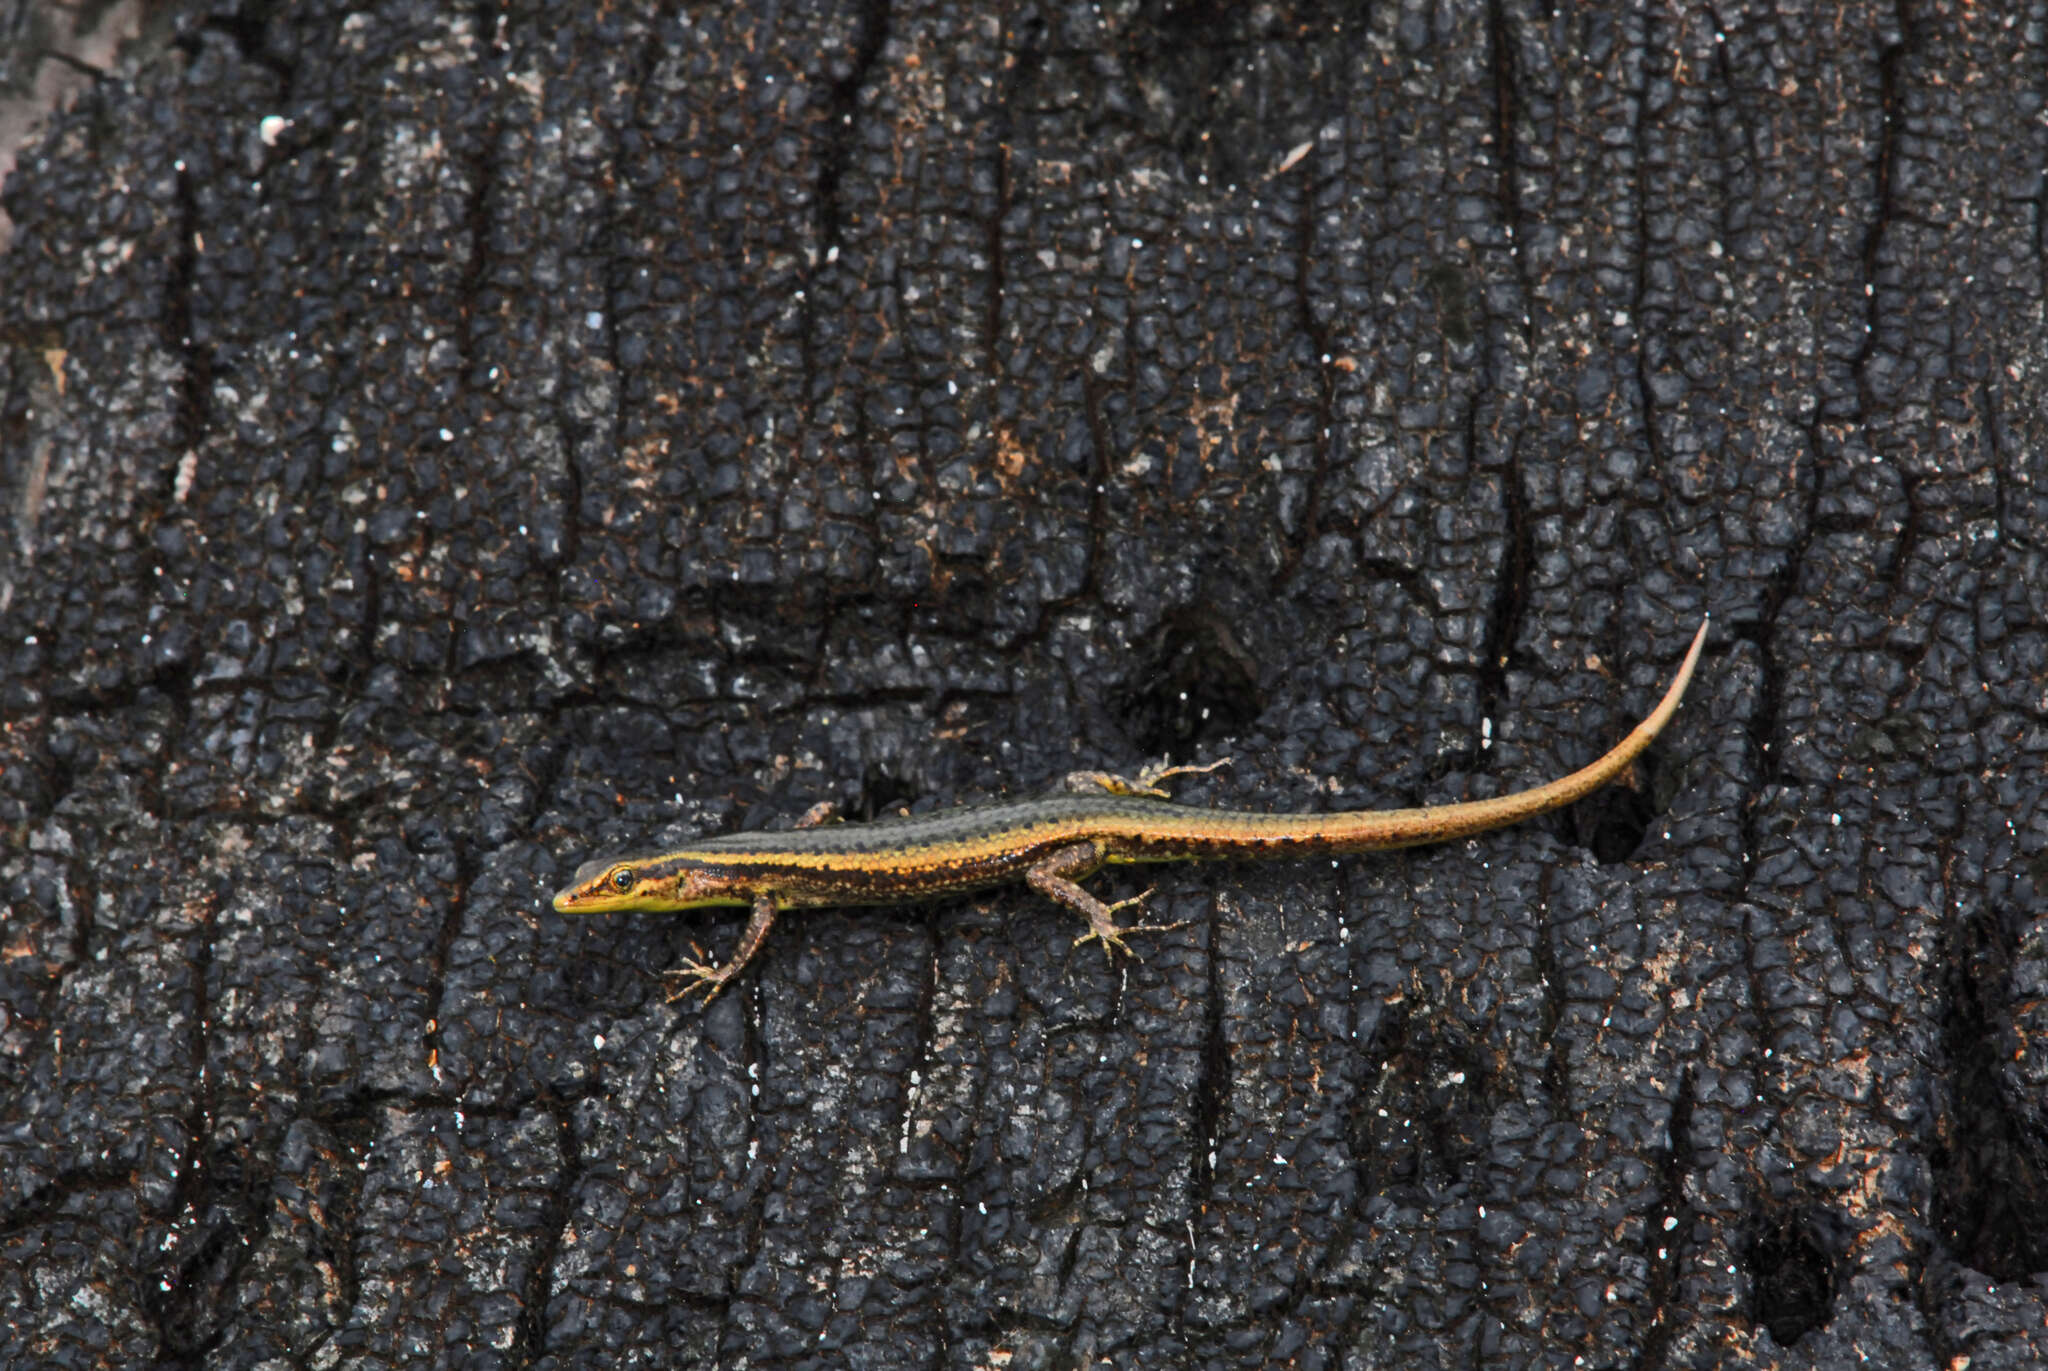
[[1053, 842]]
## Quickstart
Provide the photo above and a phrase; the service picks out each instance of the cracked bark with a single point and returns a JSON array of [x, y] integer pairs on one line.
[[567, 428]]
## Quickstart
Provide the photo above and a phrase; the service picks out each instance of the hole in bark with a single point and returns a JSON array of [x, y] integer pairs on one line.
[[1450, 286], [1611, 823], [1198, 683], [1796, 1275], [1236, 87], [1990, 1174], [882, 795]]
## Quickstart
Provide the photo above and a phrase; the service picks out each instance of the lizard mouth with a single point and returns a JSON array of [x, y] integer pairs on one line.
[[578, 899]]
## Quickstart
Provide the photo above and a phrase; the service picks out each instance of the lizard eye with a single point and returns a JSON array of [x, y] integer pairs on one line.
[[622, 879]]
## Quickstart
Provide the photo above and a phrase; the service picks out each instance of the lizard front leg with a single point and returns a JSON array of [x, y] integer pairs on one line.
[[698, 974]]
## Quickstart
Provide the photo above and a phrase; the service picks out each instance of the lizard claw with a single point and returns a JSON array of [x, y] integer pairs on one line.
[[1111, 936], [694, 975], [1112, 941]]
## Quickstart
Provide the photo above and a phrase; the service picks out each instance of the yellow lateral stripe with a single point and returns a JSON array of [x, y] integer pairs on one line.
[[917, 856], [1054, 843]]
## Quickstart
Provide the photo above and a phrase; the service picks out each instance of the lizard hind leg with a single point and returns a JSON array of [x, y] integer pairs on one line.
[[1054, 877]]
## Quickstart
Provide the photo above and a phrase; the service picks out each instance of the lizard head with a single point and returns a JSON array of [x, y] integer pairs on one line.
[[655, 884]]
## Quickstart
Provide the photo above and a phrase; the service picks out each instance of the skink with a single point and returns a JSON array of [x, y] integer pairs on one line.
[[1053, 843]]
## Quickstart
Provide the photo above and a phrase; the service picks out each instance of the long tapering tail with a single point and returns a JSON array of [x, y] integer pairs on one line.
[[1372, 830]]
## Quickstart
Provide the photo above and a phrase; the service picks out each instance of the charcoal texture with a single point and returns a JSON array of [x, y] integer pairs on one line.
[[442, 444]]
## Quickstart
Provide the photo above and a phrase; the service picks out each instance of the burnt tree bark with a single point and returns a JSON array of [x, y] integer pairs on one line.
[[441, 444]]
